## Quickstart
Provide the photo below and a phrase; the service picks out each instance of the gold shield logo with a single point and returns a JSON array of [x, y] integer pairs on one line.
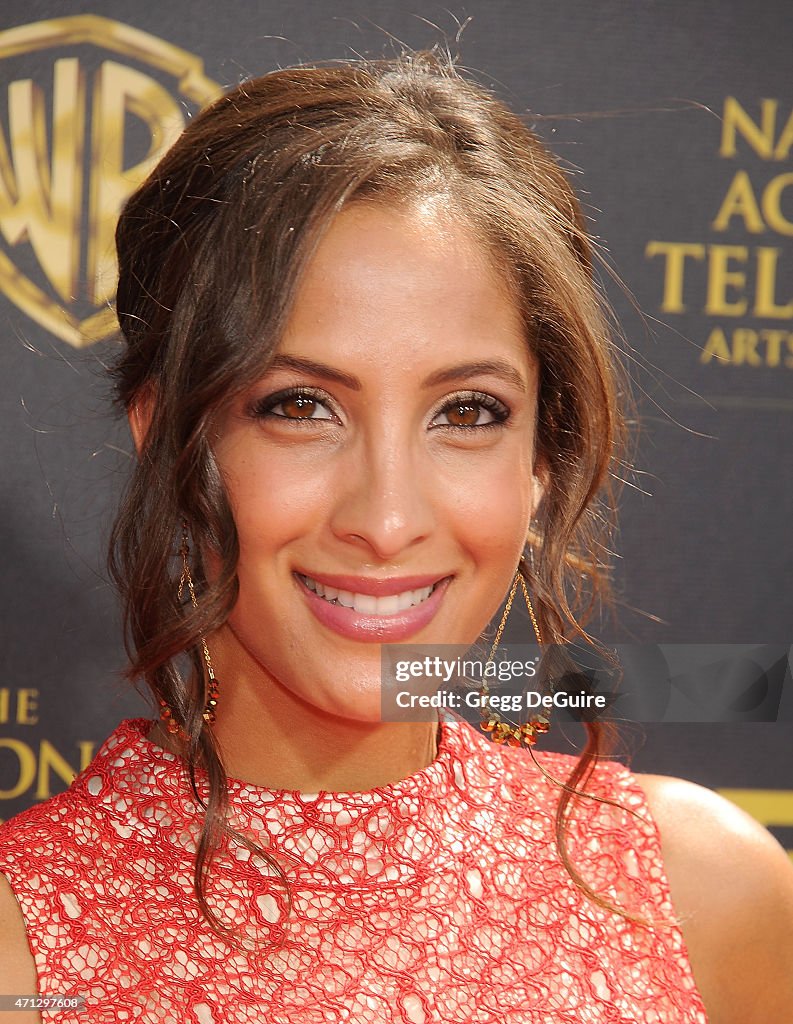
[[116, 98]]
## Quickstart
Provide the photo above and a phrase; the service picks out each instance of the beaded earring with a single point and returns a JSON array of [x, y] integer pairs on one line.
[[501, 731], [208, 714]]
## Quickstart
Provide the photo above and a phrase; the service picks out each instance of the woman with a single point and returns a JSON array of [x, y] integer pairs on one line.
[[363, 355]]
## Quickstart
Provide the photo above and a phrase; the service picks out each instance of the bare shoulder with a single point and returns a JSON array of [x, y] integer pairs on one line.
[[732, 888], [17, 968]]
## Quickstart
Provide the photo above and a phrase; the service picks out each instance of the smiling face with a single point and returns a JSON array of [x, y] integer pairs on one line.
[[380, 473]]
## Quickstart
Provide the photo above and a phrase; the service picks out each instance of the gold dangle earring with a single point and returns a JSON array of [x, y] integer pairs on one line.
[[501, 731], [208, 714]]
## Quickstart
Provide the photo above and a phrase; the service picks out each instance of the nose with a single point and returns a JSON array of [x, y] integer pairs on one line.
[[384, 503]]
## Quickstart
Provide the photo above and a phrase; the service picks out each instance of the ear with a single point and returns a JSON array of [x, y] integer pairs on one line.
[[139, 415]]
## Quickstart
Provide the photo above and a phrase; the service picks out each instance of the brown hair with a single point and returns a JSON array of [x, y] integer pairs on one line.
[[210, 251]]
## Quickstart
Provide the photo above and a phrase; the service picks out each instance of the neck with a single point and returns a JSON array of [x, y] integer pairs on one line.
[[271, 738], [335, 756]]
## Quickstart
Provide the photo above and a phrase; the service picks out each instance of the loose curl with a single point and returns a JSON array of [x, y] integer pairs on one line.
[[211, 248]]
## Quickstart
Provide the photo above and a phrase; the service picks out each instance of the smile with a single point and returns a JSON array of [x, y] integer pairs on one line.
[[368, 604]]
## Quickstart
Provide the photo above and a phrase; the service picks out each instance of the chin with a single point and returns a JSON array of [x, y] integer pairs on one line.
[[364, 708]]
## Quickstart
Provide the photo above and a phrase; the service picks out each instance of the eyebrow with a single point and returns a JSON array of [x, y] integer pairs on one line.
[[301, 365], [494, 367]]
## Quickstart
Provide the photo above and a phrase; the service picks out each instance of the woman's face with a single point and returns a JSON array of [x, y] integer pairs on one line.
[[380, 473]]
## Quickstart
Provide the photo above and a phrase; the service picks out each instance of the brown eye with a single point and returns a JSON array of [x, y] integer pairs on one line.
[[294, 406], [474, 411], [463, 415], [299, 407]]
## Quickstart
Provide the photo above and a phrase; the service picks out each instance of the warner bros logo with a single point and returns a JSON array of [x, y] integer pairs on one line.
[[92, 105]]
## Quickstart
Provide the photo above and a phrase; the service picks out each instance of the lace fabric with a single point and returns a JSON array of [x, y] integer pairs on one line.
[[439, 898]]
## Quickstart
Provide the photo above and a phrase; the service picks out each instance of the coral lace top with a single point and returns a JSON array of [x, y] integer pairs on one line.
[[439, 898]]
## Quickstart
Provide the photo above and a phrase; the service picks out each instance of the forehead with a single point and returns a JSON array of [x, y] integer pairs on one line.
[[413, 280]]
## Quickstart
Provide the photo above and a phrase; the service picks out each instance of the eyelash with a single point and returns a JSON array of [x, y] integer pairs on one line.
[[496, 408], [264, 408]]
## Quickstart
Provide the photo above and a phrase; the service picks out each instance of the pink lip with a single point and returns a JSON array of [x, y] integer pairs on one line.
[[355, 625], [373, 587]]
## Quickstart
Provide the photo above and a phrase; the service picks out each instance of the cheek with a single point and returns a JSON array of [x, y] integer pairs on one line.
[[491, 508], [274, 498], [491, 522]]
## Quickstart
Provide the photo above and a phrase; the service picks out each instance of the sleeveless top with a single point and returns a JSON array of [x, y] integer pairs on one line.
[[438, 898]]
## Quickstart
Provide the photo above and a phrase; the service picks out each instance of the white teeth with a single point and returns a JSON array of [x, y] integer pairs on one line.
[[368, 604], [388, 605]]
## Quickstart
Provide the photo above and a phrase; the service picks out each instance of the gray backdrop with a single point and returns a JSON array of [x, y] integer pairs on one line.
[[676, 117]]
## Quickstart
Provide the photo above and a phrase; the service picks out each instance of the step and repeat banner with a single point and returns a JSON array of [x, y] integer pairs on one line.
[[676, 122]]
